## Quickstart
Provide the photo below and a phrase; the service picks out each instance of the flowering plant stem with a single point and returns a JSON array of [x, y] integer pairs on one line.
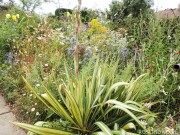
[[76, 60]]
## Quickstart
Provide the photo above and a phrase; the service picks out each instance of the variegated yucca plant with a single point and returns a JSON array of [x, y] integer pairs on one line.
[[93, 104]]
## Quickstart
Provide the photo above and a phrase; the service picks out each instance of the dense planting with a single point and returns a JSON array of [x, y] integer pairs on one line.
[[75, 75]]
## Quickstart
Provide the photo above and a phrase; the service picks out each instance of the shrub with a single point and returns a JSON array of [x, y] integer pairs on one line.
[[92, 100]]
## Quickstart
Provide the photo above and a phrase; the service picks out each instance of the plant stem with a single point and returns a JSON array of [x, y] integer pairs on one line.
[[76, 59]]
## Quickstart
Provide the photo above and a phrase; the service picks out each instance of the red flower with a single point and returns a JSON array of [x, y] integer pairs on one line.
[[77, 29], [148, 58], [77, 70], [170, 52], [136, 47], [139, 51], [152, 72], [147, 67]]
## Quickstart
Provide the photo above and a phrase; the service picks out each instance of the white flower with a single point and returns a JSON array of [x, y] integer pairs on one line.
[[24, 94], [165, 78], [165, 93], [40, 38], [148, 105], [31, 95], [169, 130], [61, 43], [58, 29], [169, 37], [27, 112], [45, 95], [144, 122], [35, 104], [179, 87], [37, 113], [33, 109], [37, 85], [96, 48], [46, 65], [40, 55], [163, 102]]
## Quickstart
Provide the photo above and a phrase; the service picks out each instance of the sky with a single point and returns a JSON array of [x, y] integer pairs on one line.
[[97, 4], [101, 4]]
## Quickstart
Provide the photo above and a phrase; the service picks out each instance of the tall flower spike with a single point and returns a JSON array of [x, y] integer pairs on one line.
[[76, 59]]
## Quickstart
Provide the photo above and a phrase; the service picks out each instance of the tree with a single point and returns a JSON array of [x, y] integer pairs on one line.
[[88, 14], [127, 10], [10, 2], [31, 5], [135, 7], [116, 12]]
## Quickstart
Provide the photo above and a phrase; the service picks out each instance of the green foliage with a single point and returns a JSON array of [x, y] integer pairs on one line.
[[9, 30], [116, 13], [111, 97], [61, 12], [91, 99], [120, 13], [135, 7], [156, 48], [12, 30], [88, 14]]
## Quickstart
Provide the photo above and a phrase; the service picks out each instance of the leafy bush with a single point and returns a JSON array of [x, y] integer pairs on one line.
[[88, 14]]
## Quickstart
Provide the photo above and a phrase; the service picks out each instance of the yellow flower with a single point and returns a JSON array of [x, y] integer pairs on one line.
[[68, 14], [169, 130], [17, 15], [96, 27], [8, 16], [14, 17]]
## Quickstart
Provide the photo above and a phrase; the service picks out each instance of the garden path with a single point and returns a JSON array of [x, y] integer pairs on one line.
[[6, 116]]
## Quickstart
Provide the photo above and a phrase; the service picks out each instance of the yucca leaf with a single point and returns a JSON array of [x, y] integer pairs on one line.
[[115, 132], [67, 74], [127, 112], [56, 107], [129, 126], [125, 105], [93, 83], [60, 109], [39, 124], [98, 95], [30, 133], [42, 130], [99, 133], [116, 126], [104, 128], [75, 109], [38, 96], [132, 90], [60, 93], [123, 132], [134, 103], [113, 87]]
